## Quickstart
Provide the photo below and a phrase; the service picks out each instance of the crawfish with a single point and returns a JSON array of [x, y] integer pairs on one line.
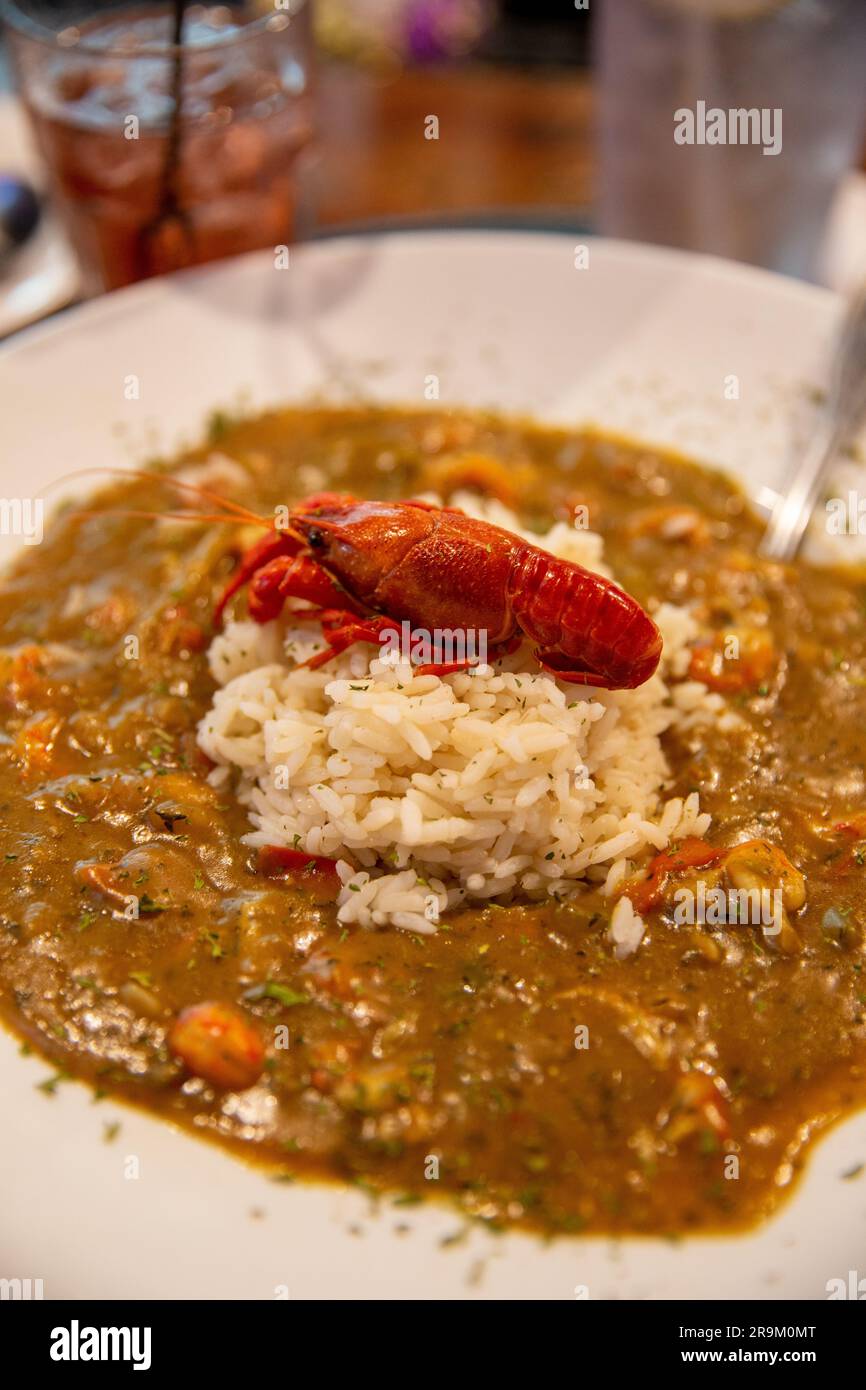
[[366, 566]]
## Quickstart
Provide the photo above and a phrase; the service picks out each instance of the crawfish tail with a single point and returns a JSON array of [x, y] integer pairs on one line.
[[583, 622]]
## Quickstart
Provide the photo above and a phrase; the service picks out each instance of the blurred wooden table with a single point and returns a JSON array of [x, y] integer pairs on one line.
[[509, 142]]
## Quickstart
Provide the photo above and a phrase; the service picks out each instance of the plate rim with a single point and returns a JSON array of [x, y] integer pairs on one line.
[[128, 298]]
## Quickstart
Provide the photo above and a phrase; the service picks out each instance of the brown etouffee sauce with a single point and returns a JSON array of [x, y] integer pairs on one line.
[[458, 1045]]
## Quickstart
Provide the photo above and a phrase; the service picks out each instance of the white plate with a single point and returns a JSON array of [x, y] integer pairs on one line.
[[641, 340]]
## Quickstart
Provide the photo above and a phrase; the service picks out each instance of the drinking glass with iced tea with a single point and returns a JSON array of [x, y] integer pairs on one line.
[[173, 133]]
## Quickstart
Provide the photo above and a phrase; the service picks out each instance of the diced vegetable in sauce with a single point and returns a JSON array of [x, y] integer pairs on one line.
[[558, 1086]]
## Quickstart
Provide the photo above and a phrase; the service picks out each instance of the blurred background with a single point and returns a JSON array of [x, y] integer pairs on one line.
[[136, 139]]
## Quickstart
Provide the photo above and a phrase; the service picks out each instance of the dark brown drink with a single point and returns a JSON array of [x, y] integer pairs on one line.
[[164, 157]]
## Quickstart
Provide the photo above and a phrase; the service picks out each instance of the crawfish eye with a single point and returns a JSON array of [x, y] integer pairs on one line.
[[315, 539]]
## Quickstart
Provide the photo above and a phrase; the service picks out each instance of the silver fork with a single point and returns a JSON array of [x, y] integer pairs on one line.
[[841, 416]]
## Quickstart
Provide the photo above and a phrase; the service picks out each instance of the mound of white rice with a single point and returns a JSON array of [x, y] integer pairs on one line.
[[429, 791]]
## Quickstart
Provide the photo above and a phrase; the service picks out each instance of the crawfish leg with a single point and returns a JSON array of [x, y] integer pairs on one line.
[[450, 668], [274, 545], [354, 630], [293, 576], [568, 670], [444, 668]]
